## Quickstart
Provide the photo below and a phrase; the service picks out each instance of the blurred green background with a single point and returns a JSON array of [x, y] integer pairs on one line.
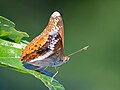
[[87, 22]]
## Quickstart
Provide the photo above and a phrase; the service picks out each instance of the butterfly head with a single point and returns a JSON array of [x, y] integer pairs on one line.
[[65, 59]]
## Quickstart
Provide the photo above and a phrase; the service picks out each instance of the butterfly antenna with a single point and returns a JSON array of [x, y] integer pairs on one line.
[[83, 49]]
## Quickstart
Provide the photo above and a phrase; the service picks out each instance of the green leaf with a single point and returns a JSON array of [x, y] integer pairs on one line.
[[10, 57], [8, 31], [10, 53]]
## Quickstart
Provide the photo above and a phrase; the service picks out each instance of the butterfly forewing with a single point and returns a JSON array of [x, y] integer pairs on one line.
[[48, 45]]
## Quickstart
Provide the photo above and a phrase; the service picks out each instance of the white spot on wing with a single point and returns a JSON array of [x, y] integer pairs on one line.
[[43, 56], [53, 32], [56, 14], [55, 28], [53, 41]]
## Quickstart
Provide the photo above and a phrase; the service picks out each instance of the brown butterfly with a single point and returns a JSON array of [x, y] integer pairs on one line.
[[47, 48]]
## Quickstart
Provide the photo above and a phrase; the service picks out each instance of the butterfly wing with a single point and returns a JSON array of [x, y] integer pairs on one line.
[[49, 43]]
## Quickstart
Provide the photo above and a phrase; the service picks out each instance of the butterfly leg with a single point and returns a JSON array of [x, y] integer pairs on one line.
[[54, 76], [44, 69]]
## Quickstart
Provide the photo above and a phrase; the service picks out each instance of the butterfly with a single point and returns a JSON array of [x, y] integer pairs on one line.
[[47, 48]]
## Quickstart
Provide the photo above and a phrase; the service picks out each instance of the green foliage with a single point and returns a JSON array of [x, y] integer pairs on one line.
[[8, 31], [10, 53]]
